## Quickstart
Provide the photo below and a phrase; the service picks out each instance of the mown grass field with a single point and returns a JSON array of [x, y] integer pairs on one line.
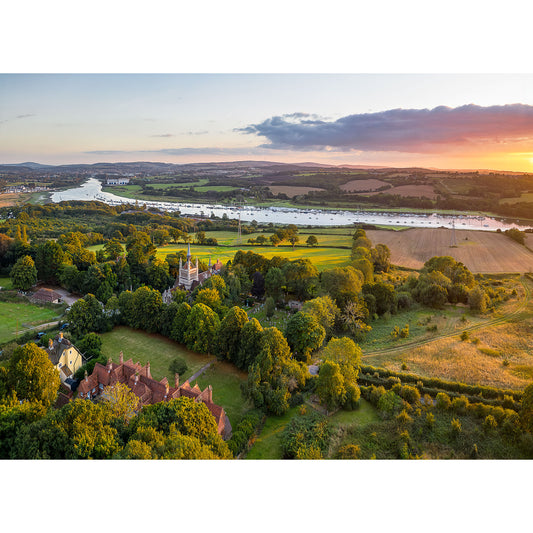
[[16, 318], [160, 351]]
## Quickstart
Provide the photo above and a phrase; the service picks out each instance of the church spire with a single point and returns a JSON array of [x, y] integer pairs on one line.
[[188, 251]]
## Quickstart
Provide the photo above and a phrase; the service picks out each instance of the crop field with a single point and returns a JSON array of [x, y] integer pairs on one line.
[[292, 191], [529, 241], [524, 197], [16, 318], [160, 351], [480, 251], [363, 185], [421, 191], [322, 258]]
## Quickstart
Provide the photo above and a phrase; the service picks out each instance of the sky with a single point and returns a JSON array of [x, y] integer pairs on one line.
[[432, 120]]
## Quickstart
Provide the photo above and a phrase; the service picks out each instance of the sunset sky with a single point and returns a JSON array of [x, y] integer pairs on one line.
[[432, 120]]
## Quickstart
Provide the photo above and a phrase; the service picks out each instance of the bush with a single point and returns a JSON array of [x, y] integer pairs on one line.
[[178, 365], [404, 332], [350, 451], [443, 401], [403, 418], [465, 336], [456, 426], [410, 394], [460, 405], [489, 423]]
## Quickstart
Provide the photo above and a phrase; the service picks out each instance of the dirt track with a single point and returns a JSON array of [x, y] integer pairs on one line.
[[481, 251]]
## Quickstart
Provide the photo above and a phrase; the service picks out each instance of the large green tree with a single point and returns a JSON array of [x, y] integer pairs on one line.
[[343, 284], [229, 336], [24, 274], [32, 375], [304, 335], [201, 328]]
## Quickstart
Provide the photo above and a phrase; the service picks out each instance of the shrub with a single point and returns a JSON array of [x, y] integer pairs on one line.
[[430, 420], [178, 365], [474, 454], [403, 418], [443, 401], [404, 332], [456, 426], [465, 336], [460, 405], [410, 394], [349, 451], [389, 402], [489, 423]]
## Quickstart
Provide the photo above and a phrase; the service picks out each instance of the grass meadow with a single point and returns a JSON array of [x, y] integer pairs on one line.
[[16, 318]]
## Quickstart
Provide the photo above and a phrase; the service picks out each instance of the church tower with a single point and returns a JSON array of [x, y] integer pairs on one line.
[[188, 273]]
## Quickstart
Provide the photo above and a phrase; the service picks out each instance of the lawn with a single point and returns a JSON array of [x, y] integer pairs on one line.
[[143, 347], [226, 381], [268, 445], [5, 283], [16, 318]]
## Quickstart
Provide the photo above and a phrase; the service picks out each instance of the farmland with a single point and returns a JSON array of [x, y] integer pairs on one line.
[[480, 251], [421, 191], [292, 191], [363, 185]]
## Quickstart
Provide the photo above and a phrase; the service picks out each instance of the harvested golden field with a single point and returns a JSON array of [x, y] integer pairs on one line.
[[292, 191], [529, 241], [420, 191], [481, 251], [9, 199], [363, 185]]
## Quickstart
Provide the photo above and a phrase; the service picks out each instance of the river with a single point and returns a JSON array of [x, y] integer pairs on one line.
[[92, 190]]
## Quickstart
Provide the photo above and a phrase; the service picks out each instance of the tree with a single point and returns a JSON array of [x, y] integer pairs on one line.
[[354, 316], [274, 283], [478, 300], [201, 328], [120, 400], [324, 310], [384, 296], [147, 308], [381, 258], [343, 284], [157, 274], [229, 336], [304, 335], [270, 307], [209, 297], [90, 345], [50, 256], [250, 343], [301, 278], [179, 322], [24, 274], [32, 375], [178, 365], [330, 386], [258, 285], [113, 249], [86, 315], [311, 240]]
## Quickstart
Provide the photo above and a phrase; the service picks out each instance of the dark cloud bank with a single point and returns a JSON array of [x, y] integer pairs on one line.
[[403, 130]]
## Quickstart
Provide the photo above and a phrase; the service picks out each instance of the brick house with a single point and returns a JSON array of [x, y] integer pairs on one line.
[[149, 391]]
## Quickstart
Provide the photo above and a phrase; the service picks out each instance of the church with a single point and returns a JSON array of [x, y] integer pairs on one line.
[[189, 275]]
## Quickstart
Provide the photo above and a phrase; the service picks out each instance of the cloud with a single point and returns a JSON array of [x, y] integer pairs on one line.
[[208, 150], [163, 135], [469, 127], [25, 116]]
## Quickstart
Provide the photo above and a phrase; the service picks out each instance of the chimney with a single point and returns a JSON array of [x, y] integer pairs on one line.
[[121, 357], [177, 380], [148, 375], [109, 365], [50, 343], [86, 375], [210, 394], [60, 336]]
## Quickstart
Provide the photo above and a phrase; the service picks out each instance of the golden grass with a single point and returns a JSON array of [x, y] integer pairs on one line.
[[468, 362], [420, 191]]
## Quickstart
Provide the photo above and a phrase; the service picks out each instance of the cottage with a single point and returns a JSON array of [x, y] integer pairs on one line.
[[46, 296], [65, 357], [149, 391]]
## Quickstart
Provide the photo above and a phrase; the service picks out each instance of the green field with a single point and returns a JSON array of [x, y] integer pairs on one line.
[[322, 258], [5, 283], [143, 347], [17, 318]]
